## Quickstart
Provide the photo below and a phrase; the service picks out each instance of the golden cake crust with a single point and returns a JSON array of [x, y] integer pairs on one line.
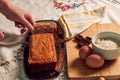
[[45, 27], [42, 49]]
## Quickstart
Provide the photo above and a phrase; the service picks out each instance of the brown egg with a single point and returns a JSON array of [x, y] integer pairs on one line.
[[94, 61], [84, 51]]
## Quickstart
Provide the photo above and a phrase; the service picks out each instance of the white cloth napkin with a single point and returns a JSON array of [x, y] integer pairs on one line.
[[78, 22], [12, 39]]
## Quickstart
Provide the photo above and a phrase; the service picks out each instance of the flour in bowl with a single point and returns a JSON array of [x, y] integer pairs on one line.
[[107, 44]]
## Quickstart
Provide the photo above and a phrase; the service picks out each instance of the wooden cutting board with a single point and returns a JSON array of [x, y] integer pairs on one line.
[[77, 68]]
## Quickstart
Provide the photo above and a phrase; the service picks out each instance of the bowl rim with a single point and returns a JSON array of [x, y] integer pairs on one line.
[[93, 42]]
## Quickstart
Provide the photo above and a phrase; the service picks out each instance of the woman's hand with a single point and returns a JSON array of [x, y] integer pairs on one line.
[[21, 18]]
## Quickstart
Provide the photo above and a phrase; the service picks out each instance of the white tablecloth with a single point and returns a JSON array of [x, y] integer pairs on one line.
[[11, 57]]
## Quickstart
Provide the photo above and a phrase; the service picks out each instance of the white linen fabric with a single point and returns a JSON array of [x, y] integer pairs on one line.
[[75, 23], [11, 55]]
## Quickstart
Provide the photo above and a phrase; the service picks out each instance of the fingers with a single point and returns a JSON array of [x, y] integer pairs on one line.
[[1, 35], [30, 19], [23, 30], [25, 21], [28, 25], [19, 25]]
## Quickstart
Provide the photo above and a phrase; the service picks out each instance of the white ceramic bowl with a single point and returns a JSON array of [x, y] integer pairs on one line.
[[107, 54]]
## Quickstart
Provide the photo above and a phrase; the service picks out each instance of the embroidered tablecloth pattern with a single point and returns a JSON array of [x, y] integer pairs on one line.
[[11, 57]]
